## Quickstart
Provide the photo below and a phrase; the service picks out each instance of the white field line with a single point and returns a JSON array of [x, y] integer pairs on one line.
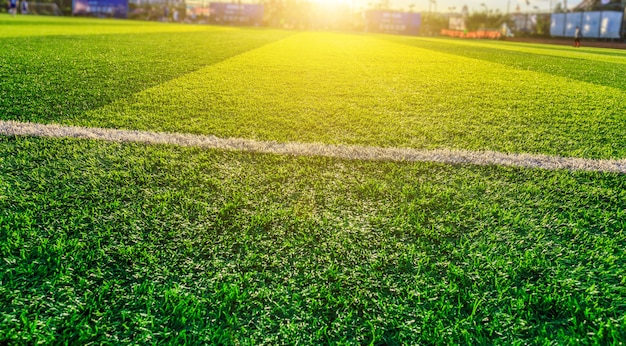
[[14, 128]]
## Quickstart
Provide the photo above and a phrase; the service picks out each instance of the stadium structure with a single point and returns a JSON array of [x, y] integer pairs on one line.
[[601, 20], [597, 19]]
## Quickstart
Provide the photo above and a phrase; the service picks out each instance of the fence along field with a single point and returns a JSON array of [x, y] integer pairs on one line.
[[118, 242]]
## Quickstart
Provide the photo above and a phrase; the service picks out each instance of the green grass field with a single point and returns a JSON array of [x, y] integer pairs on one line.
[[109, 243]]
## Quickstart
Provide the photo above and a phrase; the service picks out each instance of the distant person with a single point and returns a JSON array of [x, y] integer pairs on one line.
[[577, 36], [24, 9], [13, 7]]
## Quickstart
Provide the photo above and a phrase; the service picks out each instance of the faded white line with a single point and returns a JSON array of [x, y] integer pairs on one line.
[[12, 128]]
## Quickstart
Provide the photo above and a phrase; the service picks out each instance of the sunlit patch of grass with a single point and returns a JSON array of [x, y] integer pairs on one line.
[[346, 89], [318, 87]]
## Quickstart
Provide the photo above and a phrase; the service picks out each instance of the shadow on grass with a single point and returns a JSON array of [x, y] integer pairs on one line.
[[48, 78], [585, 70]]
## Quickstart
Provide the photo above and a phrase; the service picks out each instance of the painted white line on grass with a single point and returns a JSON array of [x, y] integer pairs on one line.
[[315, 149]]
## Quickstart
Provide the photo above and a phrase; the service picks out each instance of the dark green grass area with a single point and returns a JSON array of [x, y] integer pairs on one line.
[[111, 243], [53, 78], [560, 61]]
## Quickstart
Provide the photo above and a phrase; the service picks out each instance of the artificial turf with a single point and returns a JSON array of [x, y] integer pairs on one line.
[[131, 243], [110, 243], [321, 87]]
